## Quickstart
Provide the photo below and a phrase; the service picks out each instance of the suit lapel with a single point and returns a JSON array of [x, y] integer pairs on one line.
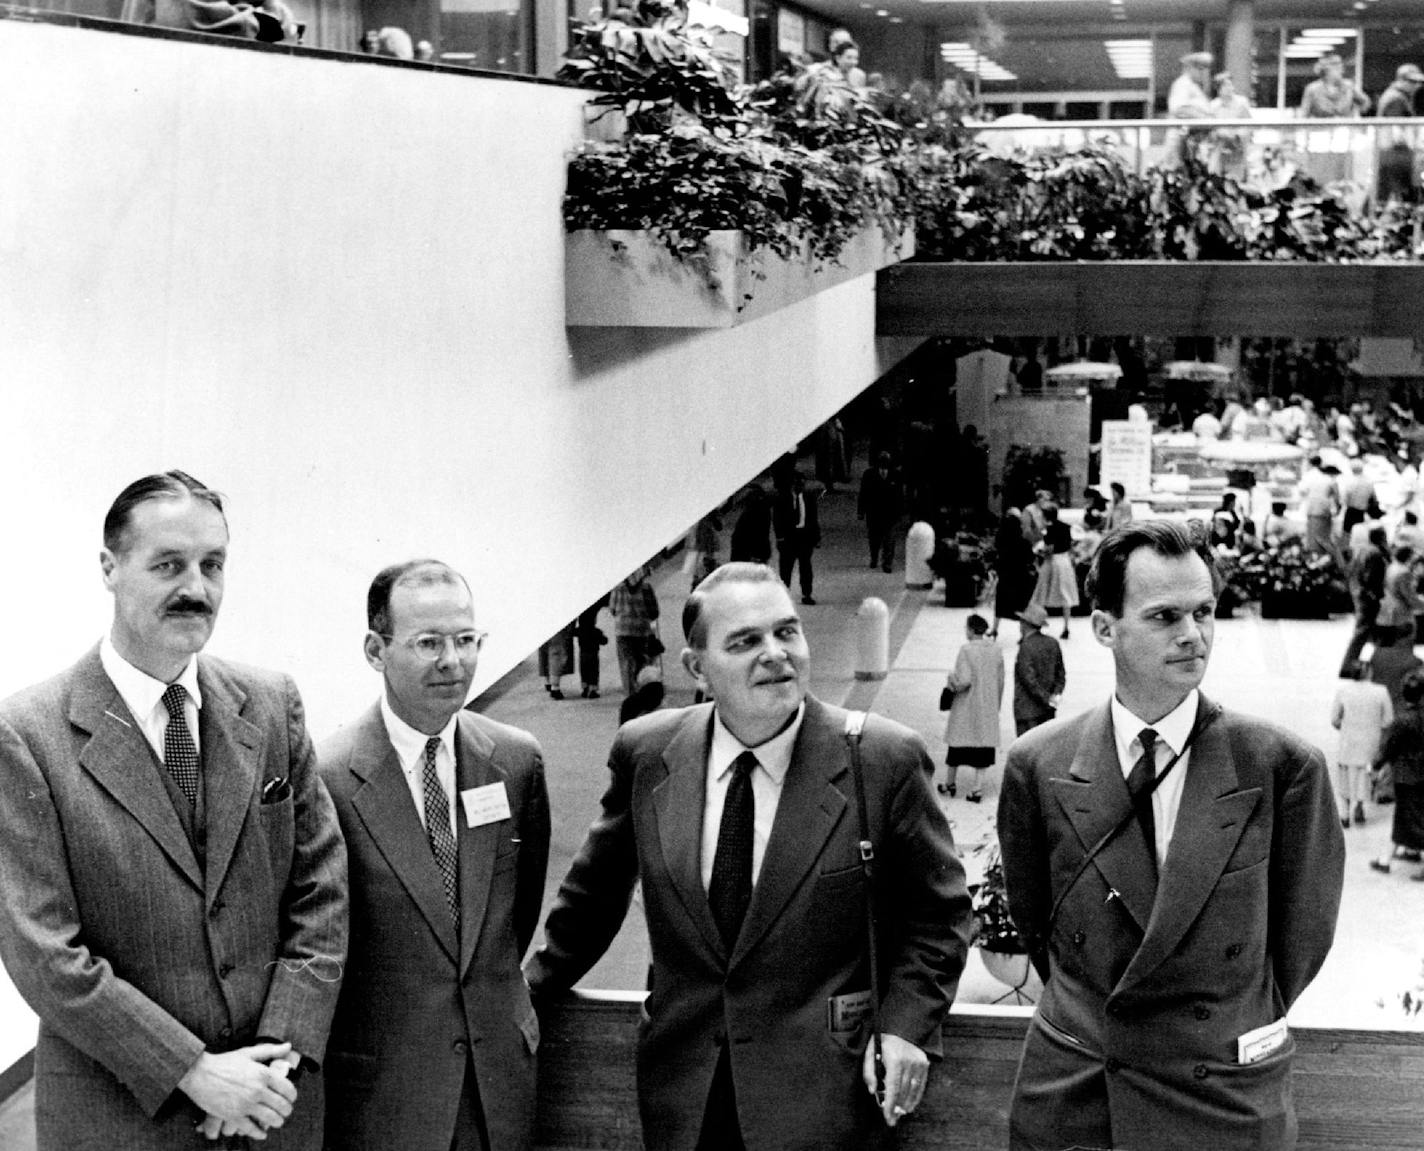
[[479, 846], [387, 810], [810, 807], [1094, 798], [119, 759], [231, 750], [678, 803], [1210, 821]]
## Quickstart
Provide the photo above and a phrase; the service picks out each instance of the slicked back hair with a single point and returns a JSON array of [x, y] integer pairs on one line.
[[1107, 578], [170, 485], [694, 626], [412, 573]]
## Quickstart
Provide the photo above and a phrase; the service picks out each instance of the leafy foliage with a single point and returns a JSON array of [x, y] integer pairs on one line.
[[1028, 469], [993, 929]]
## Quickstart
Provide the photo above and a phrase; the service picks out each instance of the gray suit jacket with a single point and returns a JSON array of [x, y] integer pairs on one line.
[[797, 1082], [1133, 1045], [418, 1004], [135, 957]]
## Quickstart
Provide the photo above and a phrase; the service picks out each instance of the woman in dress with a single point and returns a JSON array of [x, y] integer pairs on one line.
[[972, 732], [1057, 587]]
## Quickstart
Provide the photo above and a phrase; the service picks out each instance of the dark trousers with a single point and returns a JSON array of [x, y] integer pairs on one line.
[[796, 549], [470, 1132], [720, 1129], [881, 534], [1364, 630]]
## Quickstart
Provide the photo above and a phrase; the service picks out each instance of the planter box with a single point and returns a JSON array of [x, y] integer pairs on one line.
[[628, 279], [1182, 298]]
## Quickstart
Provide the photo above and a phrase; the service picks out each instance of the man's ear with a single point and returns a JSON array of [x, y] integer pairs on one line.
[[375, 649], [1104, 627], [107, 562], [692, 662]]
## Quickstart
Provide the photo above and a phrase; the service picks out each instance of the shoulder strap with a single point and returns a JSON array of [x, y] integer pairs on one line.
[[854, 725]]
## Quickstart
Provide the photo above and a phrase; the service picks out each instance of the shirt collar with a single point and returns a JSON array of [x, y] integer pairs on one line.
[[409, 743], [140, 692], [1173, 729], [774, 755]]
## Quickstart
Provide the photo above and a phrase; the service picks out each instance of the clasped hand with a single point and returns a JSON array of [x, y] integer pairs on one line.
[[244, 1092]]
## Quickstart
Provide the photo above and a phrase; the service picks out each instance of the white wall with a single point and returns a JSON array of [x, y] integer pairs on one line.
[[334, 292]]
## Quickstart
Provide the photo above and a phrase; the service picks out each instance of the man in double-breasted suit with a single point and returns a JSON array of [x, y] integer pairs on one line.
[[1175, 870], [740, 819], [446, 821], [172, 879]]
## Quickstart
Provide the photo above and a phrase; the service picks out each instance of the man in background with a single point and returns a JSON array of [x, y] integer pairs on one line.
[[1039, 678]]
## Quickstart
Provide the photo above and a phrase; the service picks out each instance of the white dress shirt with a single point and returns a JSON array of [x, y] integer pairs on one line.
[[409, 746], [143, 696], [1172, 730], [773, 760]]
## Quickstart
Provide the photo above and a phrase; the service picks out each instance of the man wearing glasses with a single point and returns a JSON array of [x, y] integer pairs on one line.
[[446, 820]]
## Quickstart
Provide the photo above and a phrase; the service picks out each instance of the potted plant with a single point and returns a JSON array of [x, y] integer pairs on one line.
[[1000, 946], [720, 204], [1290, 582]]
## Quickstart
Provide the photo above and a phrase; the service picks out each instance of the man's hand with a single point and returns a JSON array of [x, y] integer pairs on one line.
[[907, 1071], [241, 1094]]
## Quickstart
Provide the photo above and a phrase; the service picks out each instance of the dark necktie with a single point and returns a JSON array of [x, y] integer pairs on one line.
[[180, 753], [1139, 785], [730, 891], [437, 827]]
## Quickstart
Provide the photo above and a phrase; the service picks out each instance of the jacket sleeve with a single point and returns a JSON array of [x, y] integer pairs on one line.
[[311, 946], [594, 897], [1307, 872], [1023, 847], [533, 856], [926, 916], [75, 992]]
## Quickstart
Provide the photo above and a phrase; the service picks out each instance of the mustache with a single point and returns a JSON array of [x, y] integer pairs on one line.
[[188, 607]]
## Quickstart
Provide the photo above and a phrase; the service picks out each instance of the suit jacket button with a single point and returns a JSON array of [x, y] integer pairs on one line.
[[1079, 938], [225, 1033], [225, 970], [216, 907], [1113, 1066], [1201, 1012], [460, 1046], [1199, 1071], [1233, 951]]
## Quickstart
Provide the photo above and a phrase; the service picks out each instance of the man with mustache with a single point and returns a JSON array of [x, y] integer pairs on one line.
[[740, 818], [446, 820], [172, 878], [1175, 872]]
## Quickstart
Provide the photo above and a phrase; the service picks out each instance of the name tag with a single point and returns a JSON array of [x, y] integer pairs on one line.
[[488, 804], [847, 1012], [1256, 1045]]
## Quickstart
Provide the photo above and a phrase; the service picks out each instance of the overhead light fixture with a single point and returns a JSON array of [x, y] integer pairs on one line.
[[1318, 33], [897, 19], [1131, 59]]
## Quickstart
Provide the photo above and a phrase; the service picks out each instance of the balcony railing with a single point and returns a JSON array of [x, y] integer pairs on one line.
[[1379, 156]]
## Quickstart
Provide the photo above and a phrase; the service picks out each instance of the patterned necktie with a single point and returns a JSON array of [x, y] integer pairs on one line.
[[730, 891], [437, 826], [1144, 771], [180, 753]]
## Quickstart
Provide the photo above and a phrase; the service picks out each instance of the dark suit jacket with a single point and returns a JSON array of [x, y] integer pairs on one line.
[[783, 516], [1038, 674], [797, 1084], [1133, 1045], [418, 1003], [134, 956]]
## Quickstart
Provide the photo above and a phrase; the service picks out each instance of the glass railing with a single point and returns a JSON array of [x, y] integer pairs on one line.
[[1378, 157]]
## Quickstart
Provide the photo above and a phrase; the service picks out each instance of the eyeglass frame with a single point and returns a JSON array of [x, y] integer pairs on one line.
[[447, 639]]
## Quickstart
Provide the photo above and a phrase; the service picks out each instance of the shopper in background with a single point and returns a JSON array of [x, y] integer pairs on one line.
[[977, 686], [1330, 96], [634, 607], [1360, 712], [1403, 755], [1039, 677]]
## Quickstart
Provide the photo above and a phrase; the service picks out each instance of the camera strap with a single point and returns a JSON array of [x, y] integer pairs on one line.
[[855, 722]]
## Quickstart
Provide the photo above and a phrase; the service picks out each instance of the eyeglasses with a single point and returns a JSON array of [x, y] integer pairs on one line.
[[430, 645]]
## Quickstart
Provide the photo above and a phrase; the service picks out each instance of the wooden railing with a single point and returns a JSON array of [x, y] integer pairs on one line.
[[1354, 1090]]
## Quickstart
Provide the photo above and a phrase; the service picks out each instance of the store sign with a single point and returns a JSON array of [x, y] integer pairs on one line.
[[790, 31], [1127, 456]]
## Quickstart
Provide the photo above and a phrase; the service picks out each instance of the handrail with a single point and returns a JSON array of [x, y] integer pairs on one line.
[[1203, 122]]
